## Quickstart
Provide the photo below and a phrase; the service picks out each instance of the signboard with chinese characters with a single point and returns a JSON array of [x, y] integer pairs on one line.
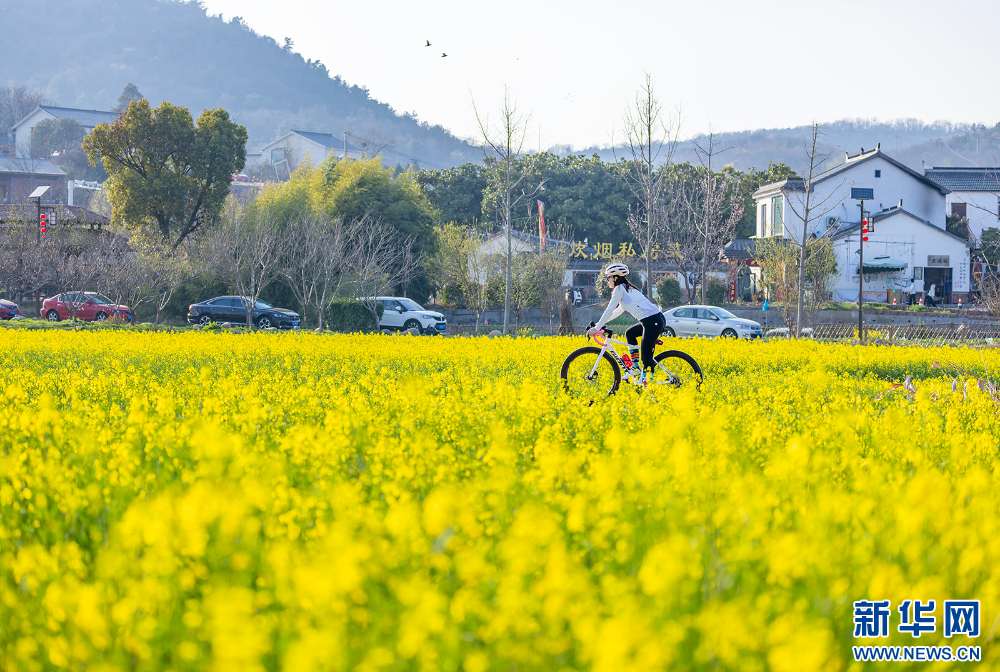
[[609, 251], [938, 260]]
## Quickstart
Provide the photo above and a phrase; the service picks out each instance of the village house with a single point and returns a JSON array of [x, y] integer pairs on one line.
[[974, 195], [907, 213], [88, 119], [292, 149]]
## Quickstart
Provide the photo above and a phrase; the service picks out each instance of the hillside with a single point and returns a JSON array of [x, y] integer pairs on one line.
[[82, 53], [910, 141]]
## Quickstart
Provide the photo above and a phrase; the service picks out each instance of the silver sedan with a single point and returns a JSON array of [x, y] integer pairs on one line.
[[709, 321]]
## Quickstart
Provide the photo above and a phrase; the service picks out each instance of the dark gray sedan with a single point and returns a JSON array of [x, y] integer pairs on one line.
[[234, 309]]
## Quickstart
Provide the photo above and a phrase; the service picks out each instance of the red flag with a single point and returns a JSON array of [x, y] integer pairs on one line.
[[541, 222]]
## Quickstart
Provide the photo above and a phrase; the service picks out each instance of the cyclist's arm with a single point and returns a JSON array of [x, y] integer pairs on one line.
[[614, 308]]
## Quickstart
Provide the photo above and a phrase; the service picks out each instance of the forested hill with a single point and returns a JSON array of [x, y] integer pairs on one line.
[[82, 53]]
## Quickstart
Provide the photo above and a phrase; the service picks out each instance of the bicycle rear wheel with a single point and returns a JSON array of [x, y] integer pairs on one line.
[[676, 368], [589, 375]]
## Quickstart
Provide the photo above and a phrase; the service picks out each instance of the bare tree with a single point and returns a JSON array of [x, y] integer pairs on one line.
[[22, 260], [509, 168], [480, 269], [334, 265], [377, 256], [144, 270], [651, 139], [71, 263], [809, 210], [715, 205], [313, 260], [373, 141], [245, 249], [16, 102]]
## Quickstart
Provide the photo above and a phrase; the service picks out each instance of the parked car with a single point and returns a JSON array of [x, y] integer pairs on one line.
[[90, 306], [709, 321], [399, 312], [8, 309], [233, 309]]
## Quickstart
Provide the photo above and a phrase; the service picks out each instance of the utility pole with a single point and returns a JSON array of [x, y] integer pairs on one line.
[[861, 273], [862, 195]]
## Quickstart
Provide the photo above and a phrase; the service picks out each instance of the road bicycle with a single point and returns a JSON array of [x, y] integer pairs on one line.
[[596, 372]]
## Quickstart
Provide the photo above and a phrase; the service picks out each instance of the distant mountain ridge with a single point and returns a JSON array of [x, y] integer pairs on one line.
[[910, 141], [81, 53], [175, 51]]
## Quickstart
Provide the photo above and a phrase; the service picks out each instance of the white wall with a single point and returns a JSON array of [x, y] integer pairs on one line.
[[832, 197], [22, 133], [301, 149], [982, 209], [903, 238]]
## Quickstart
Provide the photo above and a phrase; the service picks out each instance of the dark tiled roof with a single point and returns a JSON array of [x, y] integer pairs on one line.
[[798, 184], [966, 179], [740, 248], [328, 140], [10, 165], [86, 118]]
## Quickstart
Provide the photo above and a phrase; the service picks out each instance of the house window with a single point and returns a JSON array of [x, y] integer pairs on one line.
[[777, 219], [277, 155], [762, 224], [878, 173], [958, 209]]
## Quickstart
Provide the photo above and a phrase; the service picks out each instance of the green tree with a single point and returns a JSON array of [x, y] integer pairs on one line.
[[991, 245], [129, 93], [456, 193], [353, 190], [957, 225], [50, 136], [668, 291], [166, 172]]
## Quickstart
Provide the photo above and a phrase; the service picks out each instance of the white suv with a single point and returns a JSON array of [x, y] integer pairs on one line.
[[399, 312]]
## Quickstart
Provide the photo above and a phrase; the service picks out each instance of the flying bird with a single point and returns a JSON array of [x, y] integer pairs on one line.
[[443, 54], [428, 43]]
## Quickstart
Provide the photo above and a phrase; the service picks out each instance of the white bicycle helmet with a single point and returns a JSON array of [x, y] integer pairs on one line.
[[621, 270]]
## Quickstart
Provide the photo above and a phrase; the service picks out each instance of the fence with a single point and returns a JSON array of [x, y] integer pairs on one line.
[[937, 334]]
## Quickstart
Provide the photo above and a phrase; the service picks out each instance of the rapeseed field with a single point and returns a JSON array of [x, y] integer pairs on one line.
[[212, 501]]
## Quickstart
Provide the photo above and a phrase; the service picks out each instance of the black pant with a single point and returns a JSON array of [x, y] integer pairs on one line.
[[649, 329]]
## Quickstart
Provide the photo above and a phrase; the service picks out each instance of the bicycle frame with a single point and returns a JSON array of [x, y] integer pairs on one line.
[[627, 372]]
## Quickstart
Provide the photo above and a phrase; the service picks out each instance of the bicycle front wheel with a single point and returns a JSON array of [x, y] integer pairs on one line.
[[589, 375], [676, 368]]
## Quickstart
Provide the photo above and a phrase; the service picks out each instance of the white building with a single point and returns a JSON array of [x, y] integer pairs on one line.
[[86, 118], [290, 150], [900, 246], [908, 212], [974, 194]]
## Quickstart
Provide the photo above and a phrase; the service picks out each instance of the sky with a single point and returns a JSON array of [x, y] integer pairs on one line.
[[573, 68]]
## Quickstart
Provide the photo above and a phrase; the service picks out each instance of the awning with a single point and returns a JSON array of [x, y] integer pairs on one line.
[[883, 264]]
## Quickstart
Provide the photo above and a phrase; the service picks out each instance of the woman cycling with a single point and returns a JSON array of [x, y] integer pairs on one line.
[[626, 296]]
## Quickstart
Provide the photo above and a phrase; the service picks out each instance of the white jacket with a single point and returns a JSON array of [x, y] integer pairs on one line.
[[633, 301]]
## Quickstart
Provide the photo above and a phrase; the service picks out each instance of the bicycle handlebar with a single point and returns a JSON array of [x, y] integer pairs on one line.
[[605, 329]]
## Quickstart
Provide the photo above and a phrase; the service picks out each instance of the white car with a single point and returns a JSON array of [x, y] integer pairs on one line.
[[399, 312], [710, 321]]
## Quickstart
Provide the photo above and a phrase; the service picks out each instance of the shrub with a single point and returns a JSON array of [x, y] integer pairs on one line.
[[348, 315], [668, 290], [715, 292]]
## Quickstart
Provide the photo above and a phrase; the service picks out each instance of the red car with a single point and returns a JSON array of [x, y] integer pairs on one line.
[[90, 306], [8, 309]]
